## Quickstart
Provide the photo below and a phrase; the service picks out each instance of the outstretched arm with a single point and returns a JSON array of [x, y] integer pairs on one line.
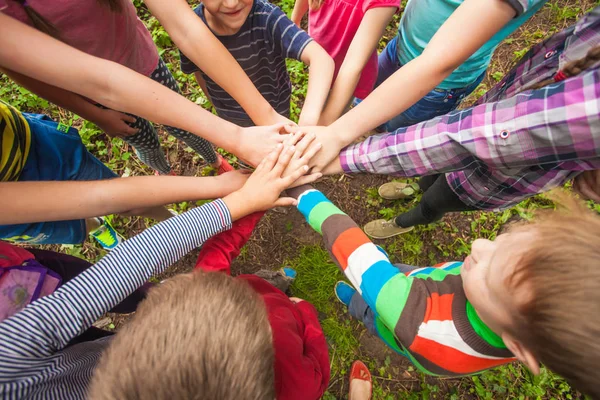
[[321, 67], [362, 47], [530, 129], [300, 10], [484, 18], [34, 54], [111, 122], [77, 200], [195, 40]]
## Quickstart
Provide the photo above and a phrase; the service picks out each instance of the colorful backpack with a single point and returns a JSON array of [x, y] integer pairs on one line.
[[23, 280]]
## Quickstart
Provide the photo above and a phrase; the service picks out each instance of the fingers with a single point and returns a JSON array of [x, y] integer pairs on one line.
[[292, 128], [285, 202], [284, 159], [128, 118], [311, 152], [128, 130], [294, 176], [268, 162], [302, 145], [306, 179]]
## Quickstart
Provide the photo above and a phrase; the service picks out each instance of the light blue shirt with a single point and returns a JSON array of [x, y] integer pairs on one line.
[[422, 19]]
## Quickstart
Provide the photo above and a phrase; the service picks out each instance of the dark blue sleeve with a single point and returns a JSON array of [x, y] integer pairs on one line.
[[287, 38]]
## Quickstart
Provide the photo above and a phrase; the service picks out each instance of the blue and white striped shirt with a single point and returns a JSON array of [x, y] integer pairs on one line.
[[34, 363], [261, 46]]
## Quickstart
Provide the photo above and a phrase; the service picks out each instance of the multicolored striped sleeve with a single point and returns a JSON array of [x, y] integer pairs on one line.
[[423, 314], [382, 285]]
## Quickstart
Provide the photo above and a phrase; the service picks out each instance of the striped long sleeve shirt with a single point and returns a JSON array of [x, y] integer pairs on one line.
[[424, 314], [34, 363], [512, 144]]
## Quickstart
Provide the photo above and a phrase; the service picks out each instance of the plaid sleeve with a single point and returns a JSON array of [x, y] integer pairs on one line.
[[286, 37], [549, 128]]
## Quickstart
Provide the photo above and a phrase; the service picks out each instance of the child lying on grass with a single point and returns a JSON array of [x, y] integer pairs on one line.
[[532, 294]]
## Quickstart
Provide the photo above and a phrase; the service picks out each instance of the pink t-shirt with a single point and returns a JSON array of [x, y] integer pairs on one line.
[[334, 25], [93, 28]]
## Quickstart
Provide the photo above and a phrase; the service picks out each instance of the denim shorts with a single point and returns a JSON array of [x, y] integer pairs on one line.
[[56, 154], [435, 103]]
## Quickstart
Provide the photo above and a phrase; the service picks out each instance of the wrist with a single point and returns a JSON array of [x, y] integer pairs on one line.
[[238, 205], [234, 139], [265, 114], [342, 134]]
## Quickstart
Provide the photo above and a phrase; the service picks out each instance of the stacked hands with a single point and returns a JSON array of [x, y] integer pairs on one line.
[[286, 166]]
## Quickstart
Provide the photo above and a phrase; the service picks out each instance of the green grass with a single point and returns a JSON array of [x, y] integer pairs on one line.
[[317, 274]]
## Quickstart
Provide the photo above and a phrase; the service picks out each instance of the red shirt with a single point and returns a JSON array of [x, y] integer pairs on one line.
[[301, 356]]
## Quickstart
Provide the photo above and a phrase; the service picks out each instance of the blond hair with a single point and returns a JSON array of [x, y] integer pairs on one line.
[[196, 336], [559, 322]]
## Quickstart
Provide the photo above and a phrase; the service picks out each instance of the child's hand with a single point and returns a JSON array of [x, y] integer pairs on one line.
[[264, 186], [231, 181], [306, 148], [258, 141], [114, 123], [331, 145]]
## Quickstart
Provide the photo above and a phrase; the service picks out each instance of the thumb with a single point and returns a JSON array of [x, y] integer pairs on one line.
[[285, 202]]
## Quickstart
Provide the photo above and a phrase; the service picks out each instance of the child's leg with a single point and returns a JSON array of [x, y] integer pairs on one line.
[[435, 103], [436, 201], [163, 76], [218, 252], [387, 61], [362, 312]]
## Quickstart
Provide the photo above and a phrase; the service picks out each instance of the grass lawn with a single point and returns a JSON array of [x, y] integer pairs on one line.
[[282, 238]]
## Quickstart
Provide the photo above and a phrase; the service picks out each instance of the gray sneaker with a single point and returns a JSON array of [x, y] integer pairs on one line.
[[383, 229], [397, 190]]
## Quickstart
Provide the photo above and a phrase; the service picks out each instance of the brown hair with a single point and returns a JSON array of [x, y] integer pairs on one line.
[[196, 336], [559, 275], [41, 24], [572, 68]]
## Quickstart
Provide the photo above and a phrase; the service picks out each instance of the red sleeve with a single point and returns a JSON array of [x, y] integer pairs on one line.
[[368, 4], [218, 252]]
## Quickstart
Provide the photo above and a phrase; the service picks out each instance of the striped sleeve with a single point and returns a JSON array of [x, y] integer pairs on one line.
[[383, 287], [287, 37], [48, 324]]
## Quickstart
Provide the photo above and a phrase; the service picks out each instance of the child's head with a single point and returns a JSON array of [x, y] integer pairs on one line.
[[226, 17], [538, 287], [199, 335]]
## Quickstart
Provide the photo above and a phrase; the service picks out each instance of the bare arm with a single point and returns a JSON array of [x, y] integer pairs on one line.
[[110, 121], [96, 198], [441, 56], [363, 45], [484, 18], [41, 57], [198, 43], [300, 10], [321, 67], [202, 84]]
